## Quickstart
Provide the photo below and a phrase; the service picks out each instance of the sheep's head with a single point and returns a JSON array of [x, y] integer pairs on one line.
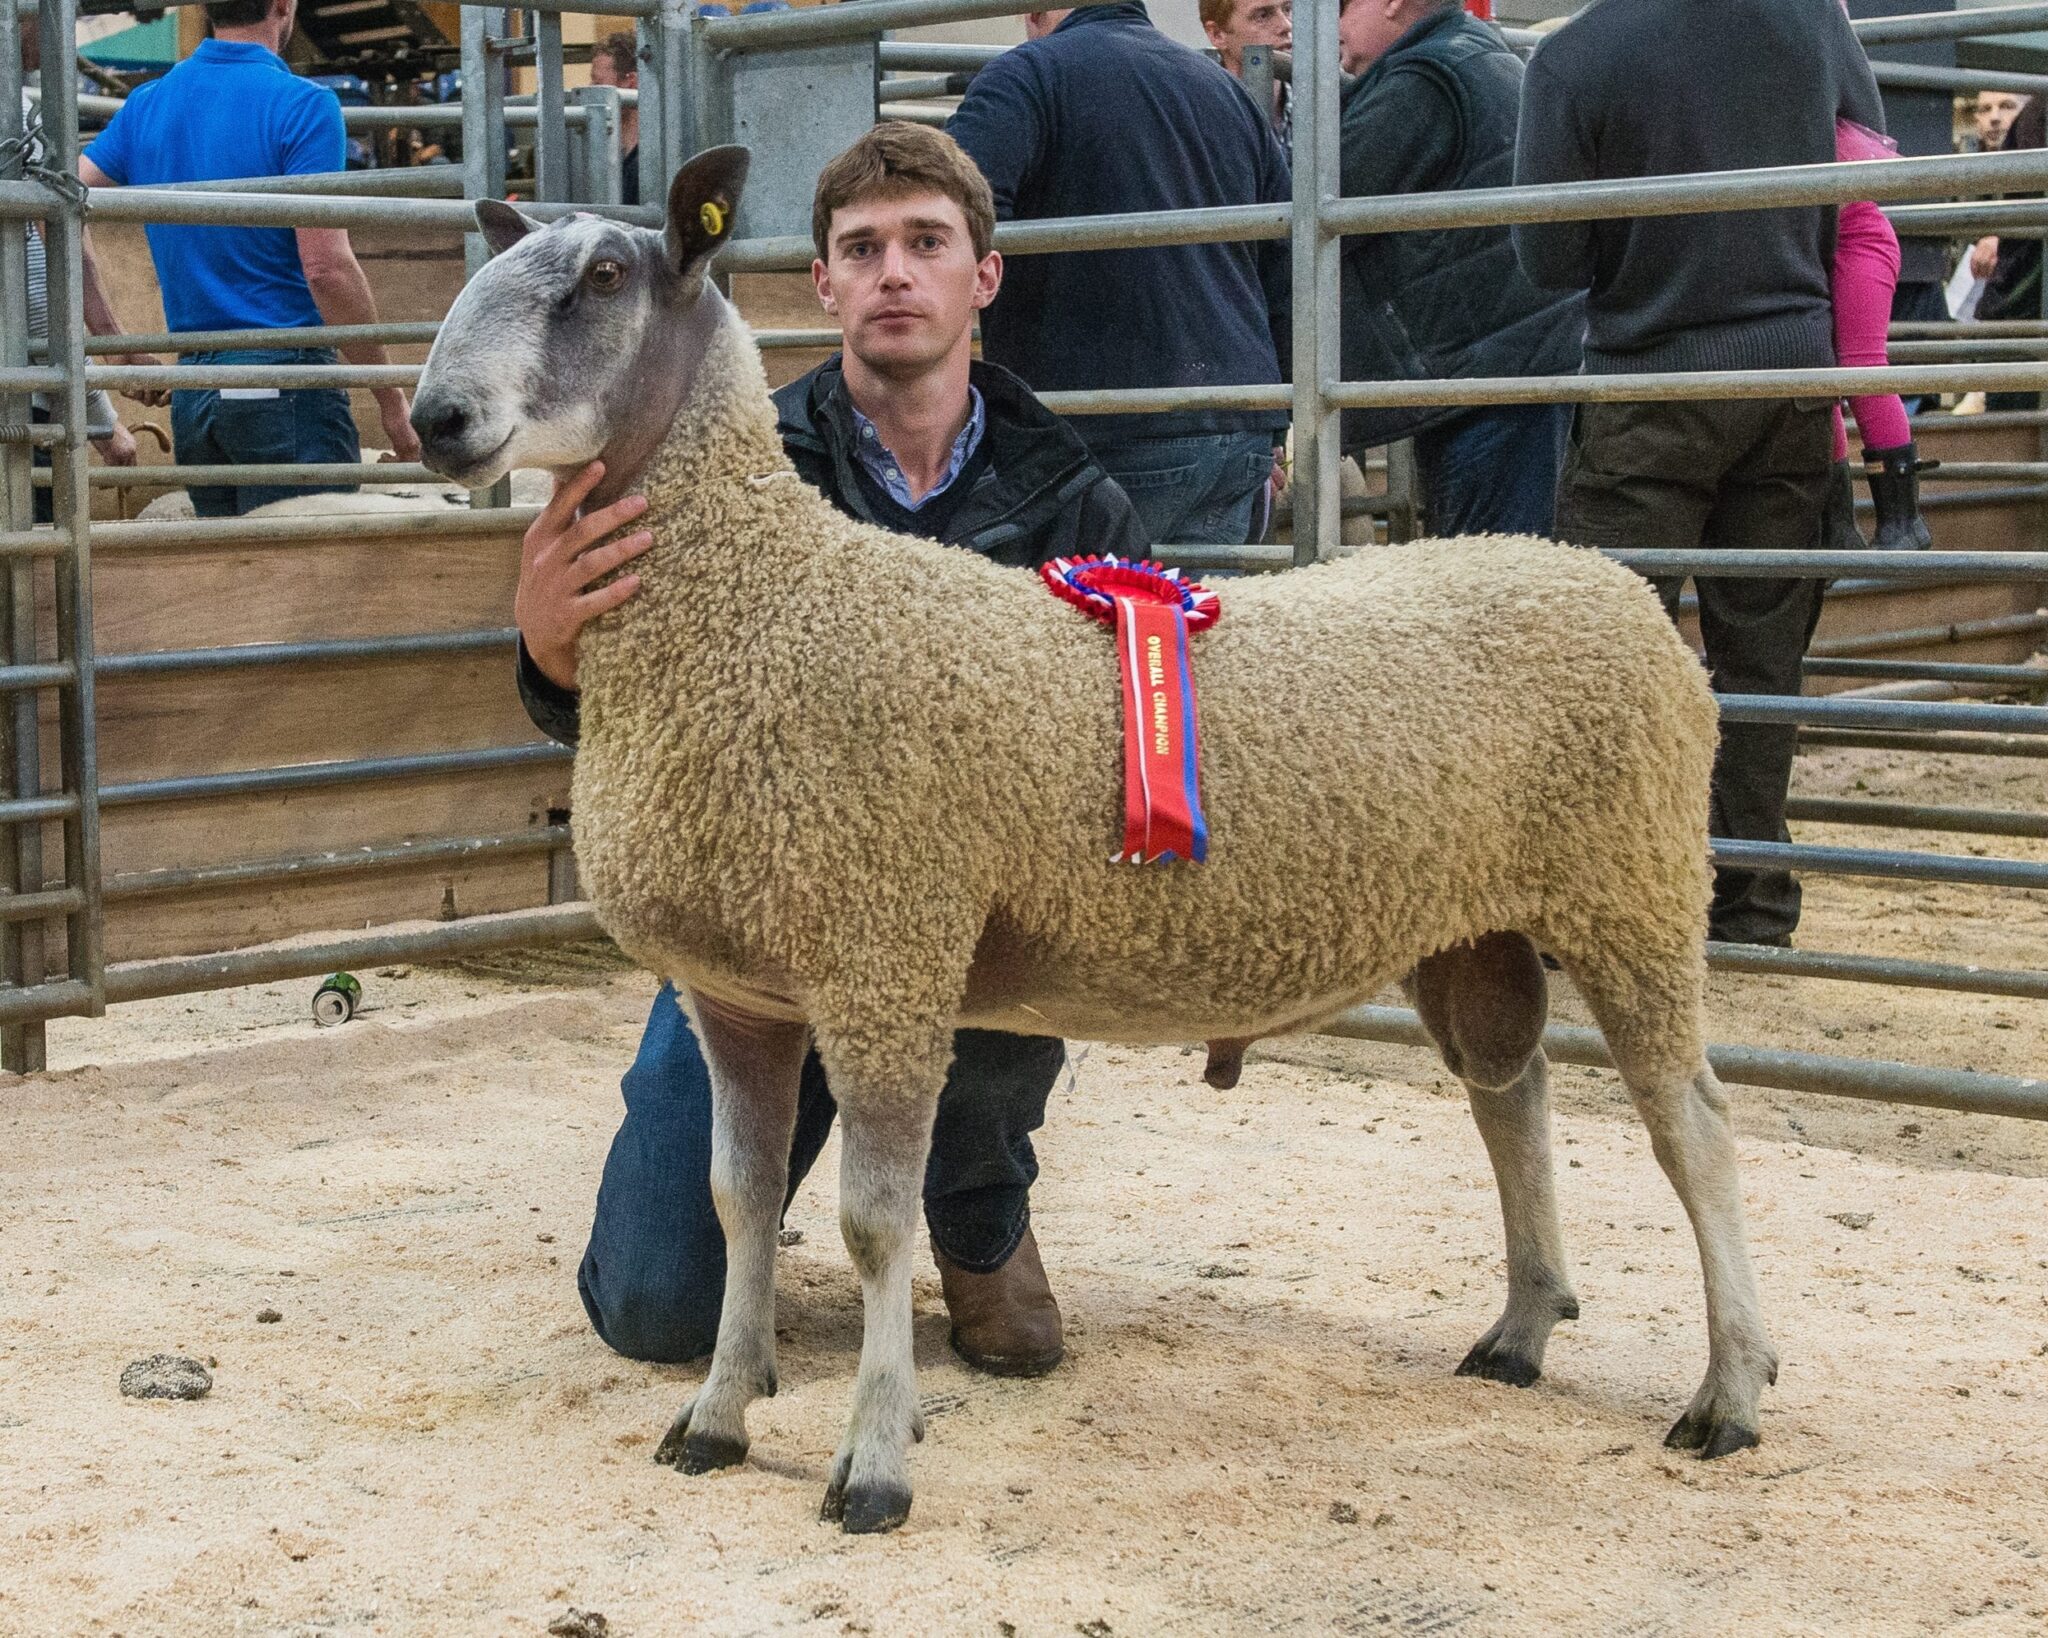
[[573, 340]]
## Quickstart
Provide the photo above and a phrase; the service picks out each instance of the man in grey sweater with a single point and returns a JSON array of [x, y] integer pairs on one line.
[[1658, 87]]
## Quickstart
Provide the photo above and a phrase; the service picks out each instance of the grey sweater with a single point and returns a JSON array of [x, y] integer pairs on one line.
[[1659, 87]]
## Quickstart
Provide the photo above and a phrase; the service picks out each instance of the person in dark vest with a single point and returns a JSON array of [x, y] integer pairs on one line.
[[1434, 109]]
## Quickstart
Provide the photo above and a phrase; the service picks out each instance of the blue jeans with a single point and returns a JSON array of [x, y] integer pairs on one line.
[[286, 424], [1494, 472], [653, 1276], [1201, 490]]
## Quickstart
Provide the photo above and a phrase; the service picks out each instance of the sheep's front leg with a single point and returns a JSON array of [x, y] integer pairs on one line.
[[755, 1064]]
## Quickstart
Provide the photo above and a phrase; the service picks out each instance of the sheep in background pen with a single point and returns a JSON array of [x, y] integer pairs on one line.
[[841, 783]]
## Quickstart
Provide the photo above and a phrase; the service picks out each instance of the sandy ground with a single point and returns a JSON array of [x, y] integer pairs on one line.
[[1256, 1429]]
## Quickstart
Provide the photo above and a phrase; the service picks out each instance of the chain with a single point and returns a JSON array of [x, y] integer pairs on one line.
[[26, 150]]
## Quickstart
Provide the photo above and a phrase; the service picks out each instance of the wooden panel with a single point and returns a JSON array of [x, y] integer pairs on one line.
[[358, 585], [189, 924], [164, 835], [216, 721], [1964, 438]]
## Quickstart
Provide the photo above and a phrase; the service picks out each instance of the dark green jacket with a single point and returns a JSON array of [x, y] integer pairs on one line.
[[1438, 113]]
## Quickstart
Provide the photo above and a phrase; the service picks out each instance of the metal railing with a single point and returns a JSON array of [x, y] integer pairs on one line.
[[682, 58]]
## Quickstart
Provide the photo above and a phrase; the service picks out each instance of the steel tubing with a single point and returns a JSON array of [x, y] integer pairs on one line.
[[122, 377], [1759, 563], [1934, 77], [144, 884], [284, 474], [2021, 677], [1928, 744], [315, 775], [815, 25], [1665, 385], [397, 334], [60, 998], [56, 901], [1834, 711], [17, 678], [1888, 864], [318, 651], [1961, 24], [445, 522], [214, 209], [1855, 969], [1851, 810], [932, 57], [268, 963]]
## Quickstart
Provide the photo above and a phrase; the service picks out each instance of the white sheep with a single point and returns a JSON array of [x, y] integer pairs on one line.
[[528, 489], [843, 784]]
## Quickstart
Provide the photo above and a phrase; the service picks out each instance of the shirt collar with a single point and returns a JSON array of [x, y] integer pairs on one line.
[[880, 465], [238, 51]]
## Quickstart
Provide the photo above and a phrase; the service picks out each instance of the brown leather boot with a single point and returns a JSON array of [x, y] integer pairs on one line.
[[1005, 1322]]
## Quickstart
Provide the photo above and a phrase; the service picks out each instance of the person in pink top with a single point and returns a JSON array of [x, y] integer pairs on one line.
[[1866, 271]]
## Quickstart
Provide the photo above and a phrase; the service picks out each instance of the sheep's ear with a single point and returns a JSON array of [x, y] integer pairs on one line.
[[701, 204], [502, 226]]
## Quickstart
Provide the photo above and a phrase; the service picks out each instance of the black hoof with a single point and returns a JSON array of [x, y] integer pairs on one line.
[[708, 1452], [1497, 1364], [834, 1508], [1709, 1437], [869, 1510]]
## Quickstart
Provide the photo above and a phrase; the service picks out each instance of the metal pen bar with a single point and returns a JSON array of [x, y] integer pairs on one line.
[[929, 56], [551, 135], [1930, 77], [478, 935], [814, 25], [393, 182], [122, 377], [2003, 676], [318, 651], [1855, 969], [1833, 710], [1965, 1090], [30, 676], [443, 523], [284, 475], [1850, 810], [60, 901], [206, 209], [394, 334], [1929, 744], [918, 87], [1760, 563], [1960, 631], [1853, 861], [1667, 385], [16, 488], [145, 884], [912, 113], [65, 998], [317, 775], [1317, 483], [22, 810], [1962, 23]]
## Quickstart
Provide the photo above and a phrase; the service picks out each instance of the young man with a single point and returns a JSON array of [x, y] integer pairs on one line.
[[1433, 110], [1097, 113], [1620, 91], [1231, 25], [232, 109], [615, 61], [903, 429]]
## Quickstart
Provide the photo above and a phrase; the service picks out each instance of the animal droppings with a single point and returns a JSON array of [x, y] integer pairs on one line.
[[1852, 1219], [575, 1623], [1343, 1513], [166, 1376], [268, 1316]]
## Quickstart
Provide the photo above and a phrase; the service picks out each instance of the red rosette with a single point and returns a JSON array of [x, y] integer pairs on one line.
[[1152, 609]]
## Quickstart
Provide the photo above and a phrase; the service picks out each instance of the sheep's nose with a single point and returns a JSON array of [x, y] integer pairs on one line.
[[439, 424]]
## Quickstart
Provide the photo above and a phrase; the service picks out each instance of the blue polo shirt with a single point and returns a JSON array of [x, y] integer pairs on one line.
[[231, 109]]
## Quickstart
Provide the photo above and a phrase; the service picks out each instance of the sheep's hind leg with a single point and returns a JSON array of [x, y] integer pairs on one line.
[[1650, 1014], [1484, 1004], [755, 1064]]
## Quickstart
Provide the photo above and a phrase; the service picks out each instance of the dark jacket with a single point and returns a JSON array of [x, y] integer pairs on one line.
[[1437, 113], [1105, 115], [1657, 87], [1039, 494]]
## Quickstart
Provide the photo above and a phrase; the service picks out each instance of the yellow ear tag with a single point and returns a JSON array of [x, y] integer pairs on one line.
[[712, 215]]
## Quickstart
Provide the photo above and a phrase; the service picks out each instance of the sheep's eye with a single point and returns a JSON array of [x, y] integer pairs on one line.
[[606, 276]]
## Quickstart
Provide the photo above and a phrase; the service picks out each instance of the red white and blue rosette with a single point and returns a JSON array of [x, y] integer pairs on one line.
[[1152, 609]]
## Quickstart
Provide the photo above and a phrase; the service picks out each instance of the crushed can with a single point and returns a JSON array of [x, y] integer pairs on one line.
[[336, 1000]]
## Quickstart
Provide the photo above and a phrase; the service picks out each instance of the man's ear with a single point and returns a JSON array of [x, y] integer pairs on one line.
[[501, 225], [701, 204]]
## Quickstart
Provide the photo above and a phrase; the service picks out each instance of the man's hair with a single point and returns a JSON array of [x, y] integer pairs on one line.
[[1216, 13], [894, 160], [237, 13], [622, 49]]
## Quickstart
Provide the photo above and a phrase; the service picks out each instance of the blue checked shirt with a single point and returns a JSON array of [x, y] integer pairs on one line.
[[881, 465]]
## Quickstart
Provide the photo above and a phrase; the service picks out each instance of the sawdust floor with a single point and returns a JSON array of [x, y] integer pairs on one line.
[[1256, 1430]]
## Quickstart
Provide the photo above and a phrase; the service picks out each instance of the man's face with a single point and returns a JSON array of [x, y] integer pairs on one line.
[[1995, 110], [603, 71], [1252, 22], [902, 278], [1367, 30]]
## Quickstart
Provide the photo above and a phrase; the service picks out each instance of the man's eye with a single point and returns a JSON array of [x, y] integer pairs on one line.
[[929, 241], [855, 253], [606, 276]]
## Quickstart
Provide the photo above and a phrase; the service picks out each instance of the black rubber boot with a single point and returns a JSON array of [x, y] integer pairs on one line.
[[1894, 479]]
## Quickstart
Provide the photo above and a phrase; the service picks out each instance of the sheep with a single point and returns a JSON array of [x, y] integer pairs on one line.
[[175, 506], [845, 785]]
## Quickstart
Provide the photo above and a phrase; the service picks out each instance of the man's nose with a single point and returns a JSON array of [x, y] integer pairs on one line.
[[895, 265]]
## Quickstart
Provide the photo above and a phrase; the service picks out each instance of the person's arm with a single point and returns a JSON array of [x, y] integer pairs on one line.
[[1001, 125], [1110, 523], [342, 294], [562, 557], [100, 317], [1859, 96], [1550, 147]]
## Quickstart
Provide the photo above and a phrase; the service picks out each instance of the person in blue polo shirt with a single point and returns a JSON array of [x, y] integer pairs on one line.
[[232, 109]]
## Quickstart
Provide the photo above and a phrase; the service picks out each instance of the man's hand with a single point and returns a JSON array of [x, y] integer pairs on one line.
[[118, 447], [155, 397], [395, 411], [560, 560], [1984, 256]]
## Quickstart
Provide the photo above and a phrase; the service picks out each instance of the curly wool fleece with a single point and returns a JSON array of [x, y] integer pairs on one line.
[[831, 772]]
